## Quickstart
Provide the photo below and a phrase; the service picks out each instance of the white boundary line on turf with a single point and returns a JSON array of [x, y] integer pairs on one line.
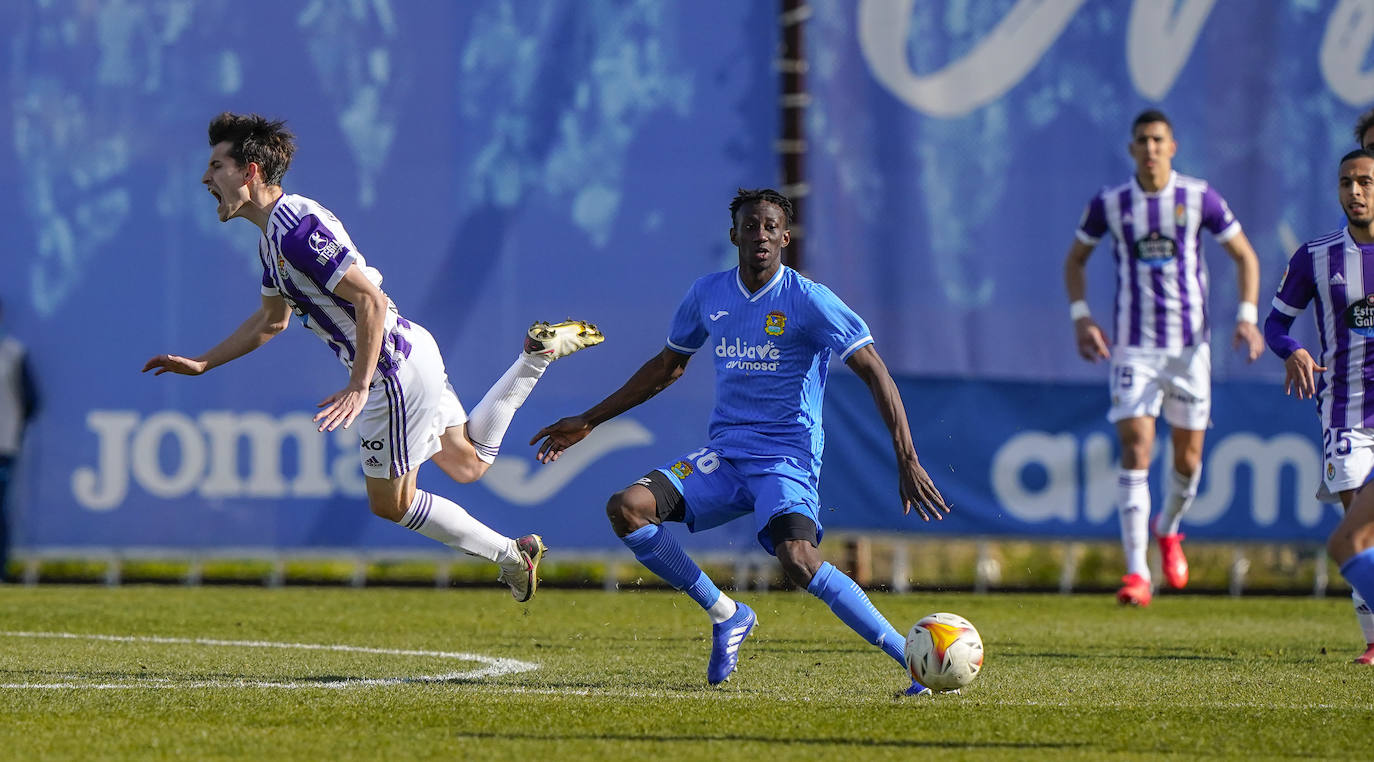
[[493, 667]]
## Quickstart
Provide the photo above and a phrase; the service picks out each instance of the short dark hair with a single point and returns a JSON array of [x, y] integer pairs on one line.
[[756, 195], [1358, 153], [1150, 116], [257, 140], [1362, 126]]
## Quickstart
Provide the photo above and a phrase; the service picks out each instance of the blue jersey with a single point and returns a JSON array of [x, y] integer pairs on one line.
[[772, 350]]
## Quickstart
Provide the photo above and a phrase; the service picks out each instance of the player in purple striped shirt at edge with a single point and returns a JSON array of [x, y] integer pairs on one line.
[[771, 334], [1337, 271], [1161, 359], [398, 390]]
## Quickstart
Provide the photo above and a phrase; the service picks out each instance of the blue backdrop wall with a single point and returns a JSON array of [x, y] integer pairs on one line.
[[502, 162]]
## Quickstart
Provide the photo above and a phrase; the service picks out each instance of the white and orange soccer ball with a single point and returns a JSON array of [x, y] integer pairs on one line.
[[944, 652]]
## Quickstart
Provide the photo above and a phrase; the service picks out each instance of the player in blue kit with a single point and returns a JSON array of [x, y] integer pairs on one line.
[[771, 333]]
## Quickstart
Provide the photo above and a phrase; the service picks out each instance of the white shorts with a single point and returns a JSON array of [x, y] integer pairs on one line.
[[408, 410], [1347, 459], [1179, 381]]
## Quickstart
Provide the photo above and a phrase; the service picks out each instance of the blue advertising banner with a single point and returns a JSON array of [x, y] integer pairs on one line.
[[1039, 460], [505, 161]]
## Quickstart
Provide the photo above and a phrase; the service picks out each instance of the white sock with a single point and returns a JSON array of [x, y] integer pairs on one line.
[[1133, 501], [489, 420], [1182, 490], [722, 609], [439, 518], [1364, 616]]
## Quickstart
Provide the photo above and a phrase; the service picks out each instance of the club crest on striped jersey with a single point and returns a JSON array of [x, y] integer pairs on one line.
[[681, 469], [1155, 250], [1359, 316], [775, 323], [1180, 216]]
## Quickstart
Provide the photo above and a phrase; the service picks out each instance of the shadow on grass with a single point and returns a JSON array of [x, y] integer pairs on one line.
[[696, 740]]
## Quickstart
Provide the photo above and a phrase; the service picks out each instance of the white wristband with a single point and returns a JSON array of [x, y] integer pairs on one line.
[[1247, 312], [1079, 309]]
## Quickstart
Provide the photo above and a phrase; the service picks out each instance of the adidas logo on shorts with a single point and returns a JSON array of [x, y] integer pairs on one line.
[[372, 461]]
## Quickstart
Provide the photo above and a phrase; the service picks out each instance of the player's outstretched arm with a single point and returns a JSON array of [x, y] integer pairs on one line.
[[1247, 334], [652, 377], [917, 489], [369, 309], [1088, 336], [269, 320]]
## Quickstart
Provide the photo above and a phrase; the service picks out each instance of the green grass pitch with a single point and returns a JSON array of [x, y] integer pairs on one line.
[[224, 673]]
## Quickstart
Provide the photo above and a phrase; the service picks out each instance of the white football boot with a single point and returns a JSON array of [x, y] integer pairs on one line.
[[523, 579]]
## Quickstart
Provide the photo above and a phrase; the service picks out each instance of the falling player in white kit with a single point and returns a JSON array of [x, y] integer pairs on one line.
[[1336, 271], [1161, 358], [398, 391]]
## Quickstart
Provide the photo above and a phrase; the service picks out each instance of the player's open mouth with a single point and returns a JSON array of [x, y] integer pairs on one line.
[[214, 193]]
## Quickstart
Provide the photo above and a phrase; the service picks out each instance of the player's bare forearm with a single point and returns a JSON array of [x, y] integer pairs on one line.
[[870, 367], [917, 489], [369, 308], [254, 332], [652, 377], [258, 329], [1247, 267], [371, 316], [1075, 284]]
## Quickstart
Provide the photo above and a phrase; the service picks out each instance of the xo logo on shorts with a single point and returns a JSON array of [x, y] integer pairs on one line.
[[373, 444]]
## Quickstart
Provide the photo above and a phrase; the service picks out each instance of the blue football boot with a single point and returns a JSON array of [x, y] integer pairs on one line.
[[726, 638]]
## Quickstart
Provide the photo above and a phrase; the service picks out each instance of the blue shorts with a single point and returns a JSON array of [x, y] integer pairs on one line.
[[719, 486]]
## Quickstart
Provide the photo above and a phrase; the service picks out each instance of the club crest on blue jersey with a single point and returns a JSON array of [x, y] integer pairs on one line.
[[1155, 250], [1359, 316], [775, 323], [681, 469]]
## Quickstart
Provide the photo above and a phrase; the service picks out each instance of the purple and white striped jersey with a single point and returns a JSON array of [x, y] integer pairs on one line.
[[1161, 276], [1339, 274], [305, 253]]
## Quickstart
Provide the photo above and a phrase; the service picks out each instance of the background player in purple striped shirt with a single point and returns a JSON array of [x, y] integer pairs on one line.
[[1337, 271], [1160, 359], [398, 390]]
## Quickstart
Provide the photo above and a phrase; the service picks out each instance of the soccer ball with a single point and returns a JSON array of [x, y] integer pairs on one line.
[[944, 652]]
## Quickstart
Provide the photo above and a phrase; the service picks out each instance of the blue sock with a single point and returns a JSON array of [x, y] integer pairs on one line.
[[662, 555], [1358, 570], [854, 609]]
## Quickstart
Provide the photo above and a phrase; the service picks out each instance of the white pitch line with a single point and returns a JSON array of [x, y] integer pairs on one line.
[[493, 667]]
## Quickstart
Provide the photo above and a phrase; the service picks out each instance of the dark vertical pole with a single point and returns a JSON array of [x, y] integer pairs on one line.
[[791, 145]]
